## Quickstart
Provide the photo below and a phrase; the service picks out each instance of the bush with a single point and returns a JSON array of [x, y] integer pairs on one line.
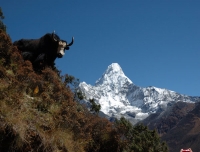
[[139, 138]]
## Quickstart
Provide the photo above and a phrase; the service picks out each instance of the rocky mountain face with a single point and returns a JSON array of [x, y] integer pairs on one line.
[[119, 96]]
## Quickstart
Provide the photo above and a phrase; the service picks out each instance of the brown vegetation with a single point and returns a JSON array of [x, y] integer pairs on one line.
[[38, 112]]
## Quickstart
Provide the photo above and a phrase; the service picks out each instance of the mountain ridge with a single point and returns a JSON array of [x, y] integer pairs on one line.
[[119, 96]]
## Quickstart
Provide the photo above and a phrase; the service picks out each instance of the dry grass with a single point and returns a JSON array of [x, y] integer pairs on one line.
[[38, 112]]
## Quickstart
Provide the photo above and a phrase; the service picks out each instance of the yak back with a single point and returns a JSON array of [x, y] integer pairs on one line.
[[45, 44]]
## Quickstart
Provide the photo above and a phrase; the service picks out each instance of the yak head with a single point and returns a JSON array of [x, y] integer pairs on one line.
[[61, 45]]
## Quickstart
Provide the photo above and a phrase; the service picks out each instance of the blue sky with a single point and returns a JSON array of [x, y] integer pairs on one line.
[[156, 42]]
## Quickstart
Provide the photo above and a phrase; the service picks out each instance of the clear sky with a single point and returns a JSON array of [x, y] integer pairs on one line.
[[156, 42]]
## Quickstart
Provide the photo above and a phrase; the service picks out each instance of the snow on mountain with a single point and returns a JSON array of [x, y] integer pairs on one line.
[[118, 96]]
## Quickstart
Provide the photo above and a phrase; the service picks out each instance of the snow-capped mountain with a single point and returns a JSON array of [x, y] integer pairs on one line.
[[119, 96]]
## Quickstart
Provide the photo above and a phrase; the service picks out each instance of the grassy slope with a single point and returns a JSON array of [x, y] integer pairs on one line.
[[37, 111]]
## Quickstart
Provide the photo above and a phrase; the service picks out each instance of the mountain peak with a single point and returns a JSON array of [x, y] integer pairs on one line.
[[113, 75], [118, 96], [115, 67]]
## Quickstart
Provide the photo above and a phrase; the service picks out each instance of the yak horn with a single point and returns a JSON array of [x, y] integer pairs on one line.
[[71, 42]]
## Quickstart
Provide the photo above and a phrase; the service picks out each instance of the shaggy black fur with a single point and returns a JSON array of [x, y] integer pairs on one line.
[[41, 52]]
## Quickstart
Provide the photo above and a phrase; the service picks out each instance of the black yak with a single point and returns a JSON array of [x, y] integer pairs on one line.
[[42, 52]]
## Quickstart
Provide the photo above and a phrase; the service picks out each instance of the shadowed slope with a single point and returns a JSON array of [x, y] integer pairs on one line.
[[179, 126]]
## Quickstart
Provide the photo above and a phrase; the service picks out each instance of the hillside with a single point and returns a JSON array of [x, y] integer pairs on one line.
[[38, 113], [179, 127], [186, 133]]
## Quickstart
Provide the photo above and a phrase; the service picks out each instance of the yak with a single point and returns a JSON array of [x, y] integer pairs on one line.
[[42, 52]]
